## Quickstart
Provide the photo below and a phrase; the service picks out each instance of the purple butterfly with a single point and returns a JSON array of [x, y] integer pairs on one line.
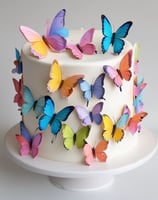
[[86, 117]]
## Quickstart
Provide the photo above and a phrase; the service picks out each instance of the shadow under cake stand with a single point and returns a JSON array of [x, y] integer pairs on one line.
[[79, 177]]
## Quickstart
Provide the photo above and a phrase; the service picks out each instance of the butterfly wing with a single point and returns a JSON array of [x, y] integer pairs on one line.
[[36, 141], [55, 77], [48, 111], [121, 32], [28, 100], [96, 113], [107, 127], [133, 124], [113, 75], [98, 87], [24, 145], [86, 89], [24, 132], [99, 151], [17, 62], [68, 136], [38, 46], [75, 51], [85, 42], [18, 98], [62, 115], [39, 106], [88, 154], [81, 136], [125, 64], [107, 32], [83, 115], [68, 85]]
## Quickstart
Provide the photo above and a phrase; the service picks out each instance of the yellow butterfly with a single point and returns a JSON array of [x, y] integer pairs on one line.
[[115, 131], [56, 82]]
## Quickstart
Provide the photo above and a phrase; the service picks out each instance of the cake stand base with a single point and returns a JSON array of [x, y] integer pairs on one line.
[[80, 177]]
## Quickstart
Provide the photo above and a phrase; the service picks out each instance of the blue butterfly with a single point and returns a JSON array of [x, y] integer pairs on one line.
[[114, 39], [51, 118], [96, 89], [31, 103], [17, 63]]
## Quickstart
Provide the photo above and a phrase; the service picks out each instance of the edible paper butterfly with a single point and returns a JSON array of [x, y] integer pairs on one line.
[[85, 46], [117, 75], [71, 138], [18, 98], [86, 117], [96, 89], [31, 103], [28, 143], [115, 131], [53, 119], [134, 122], [136, 57], [54, 38], [115, 39], [56, 82], [17, 63], [92, 153]]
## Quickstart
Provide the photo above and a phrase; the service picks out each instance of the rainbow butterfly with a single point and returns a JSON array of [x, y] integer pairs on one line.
[[90, 90], [28, 144], [18, 98], [115, 131], [85, 45], [31, 103], [115, 39], [56, 82], [54, 38], [91, 153], [71, 138], [117, 75], [51, 118], [86, 117], [17, 62]]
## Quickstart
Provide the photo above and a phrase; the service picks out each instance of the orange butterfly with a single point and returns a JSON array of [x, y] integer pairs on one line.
[[56, 82], [117, 75], [97, 152]]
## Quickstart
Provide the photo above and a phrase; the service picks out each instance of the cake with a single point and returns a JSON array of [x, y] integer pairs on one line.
[[79, 93]]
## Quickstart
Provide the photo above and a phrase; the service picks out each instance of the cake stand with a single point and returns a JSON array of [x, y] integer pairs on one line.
[[79, 177]]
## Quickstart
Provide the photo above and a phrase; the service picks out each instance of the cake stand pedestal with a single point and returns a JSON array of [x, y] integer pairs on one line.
[[79, 177]]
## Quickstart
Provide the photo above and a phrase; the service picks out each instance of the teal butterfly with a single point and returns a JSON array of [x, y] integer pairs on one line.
[[71, 138], [30, 103]]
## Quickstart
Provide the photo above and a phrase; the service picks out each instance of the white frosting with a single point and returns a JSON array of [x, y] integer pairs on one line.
[[36, 75]]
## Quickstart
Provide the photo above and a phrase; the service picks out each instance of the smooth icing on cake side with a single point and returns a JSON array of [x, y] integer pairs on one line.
[[36, 76]]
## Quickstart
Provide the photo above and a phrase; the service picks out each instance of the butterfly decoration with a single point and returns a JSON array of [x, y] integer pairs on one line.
[[90, 90], [136, 57], [85, 45], [17, 63], [54, 38], [71, 138], [123, 73], [134, 122], [18, 98], [115, 39], [28, 144], [86, 117], [115, 131], [30, 103], [53, 119], [57, 83], [91, 153]]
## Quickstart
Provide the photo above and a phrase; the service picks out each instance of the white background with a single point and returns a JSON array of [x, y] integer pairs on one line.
[[17, 183]]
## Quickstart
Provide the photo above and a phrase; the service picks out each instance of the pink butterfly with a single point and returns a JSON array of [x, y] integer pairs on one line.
[[18, 98], [85, 46], [54, 38], [92, 153], [28, 144]]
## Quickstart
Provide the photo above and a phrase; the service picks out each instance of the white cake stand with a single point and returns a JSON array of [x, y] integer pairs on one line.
[[73, 176]]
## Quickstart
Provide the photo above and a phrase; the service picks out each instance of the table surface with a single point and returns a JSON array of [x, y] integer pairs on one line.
[[17, 183]]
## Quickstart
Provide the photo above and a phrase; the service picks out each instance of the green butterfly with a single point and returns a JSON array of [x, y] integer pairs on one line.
[[71, 138]]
